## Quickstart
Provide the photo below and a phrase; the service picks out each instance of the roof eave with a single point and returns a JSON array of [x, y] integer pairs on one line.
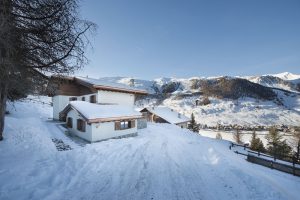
[[110, 119]]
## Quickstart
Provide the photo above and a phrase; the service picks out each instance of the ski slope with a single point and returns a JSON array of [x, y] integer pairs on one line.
[[162, 162]]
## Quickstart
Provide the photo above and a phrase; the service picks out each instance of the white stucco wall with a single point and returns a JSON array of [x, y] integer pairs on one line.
[[115, 98], [98, 131], [59, 103], [102, 131], [87, 135], [183, 125]]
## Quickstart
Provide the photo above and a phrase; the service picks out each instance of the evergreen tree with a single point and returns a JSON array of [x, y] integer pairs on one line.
[[296, 142], [276, 146], [256, 143], [193, 126]]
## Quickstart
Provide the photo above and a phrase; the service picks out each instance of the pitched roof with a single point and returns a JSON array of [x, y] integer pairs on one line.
[[106, 85], [93, 112], [102, 84], [168, 114]]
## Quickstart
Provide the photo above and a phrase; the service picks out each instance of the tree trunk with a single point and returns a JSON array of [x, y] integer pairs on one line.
[[6, 47], [3, 98]]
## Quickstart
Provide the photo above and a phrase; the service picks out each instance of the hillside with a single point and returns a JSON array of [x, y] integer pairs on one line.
[[162, 162], [262, 100]]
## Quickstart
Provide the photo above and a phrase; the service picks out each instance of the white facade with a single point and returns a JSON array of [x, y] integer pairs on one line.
[[183, 125], [59, 103], [98, 131], [115, 98], [105, 97]]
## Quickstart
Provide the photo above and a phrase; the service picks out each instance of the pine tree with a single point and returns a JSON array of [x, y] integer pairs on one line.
[[256, 143], [296, 142], [277, 147], [193, 126]]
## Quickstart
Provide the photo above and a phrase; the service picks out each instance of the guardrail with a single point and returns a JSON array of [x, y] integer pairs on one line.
[[284, 165]]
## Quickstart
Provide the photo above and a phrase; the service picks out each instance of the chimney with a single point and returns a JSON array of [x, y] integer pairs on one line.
[[179, 115]]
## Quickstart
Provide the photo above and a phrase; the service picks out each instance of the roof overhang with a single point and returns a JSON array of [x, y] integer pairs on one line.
[[67, 109]]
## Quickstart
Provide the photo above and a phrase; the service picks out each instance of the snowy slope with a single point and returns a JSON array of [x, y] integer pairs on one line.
[[245, 111], [162, 162], [287, 76]]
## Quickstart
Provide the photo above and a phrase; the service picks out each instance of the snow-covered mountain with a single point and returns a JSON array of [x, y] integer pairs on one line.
[[257, 100], [286, 81]]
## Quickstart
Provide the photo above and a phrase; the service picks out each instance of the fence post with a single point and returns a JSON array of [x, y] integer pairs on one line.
[[271, 165]]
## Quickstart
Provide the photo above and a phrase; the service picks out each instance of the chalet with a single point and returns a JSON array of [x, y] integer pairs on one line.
[[162, 114], [94, 109], [96, 122]]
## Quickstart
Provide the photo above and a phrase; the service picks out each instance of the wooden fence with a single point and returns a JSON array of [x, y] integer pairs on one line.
[[289, 164], [291, 169]]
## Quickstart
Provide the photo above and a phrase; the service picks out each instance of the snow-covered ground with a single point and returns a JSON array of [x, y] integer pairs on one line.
[[162, 162], [246, 111], [245, 135]]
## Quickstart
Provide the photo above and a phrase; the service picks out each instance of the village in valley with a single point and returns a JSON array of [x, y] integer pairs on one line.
[[178, 101]]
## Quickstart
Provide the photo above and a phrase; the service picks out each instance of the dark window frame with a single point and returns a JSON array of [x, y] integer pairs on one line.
[[70, 122], [124, 124], [73, 99], [93, 99], [81, 125]]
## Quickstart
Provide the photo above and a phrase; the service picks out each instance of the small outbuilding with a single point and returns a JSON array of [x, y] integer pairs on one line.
[[163, 114], [94, 122]]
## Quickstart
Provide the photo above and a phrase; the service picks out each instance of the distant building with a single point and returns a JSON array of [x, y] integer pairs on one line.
[[162, 114]]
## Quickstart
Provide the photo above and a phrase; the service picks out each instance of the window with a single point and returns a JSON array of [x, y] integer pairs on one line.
[[121, 125], [73, 98], [70, 122], [125, 125], [93, 99], [83, 98], [81, 125]]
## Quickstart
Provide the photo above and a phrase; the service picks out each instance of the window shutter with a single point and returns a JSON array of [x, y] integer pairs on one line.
[[83, 125], [78, 124], [117, 125], [70, 122], [132, 123]]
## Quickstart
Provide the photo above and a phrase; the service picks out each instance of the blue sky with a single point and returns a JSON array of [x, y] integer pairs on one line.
[[185, 38]]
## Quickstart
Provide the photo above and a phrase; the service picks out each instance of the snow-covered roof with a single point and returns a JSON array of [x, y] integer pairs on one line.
[[109, 85], [95, 112], [168, 114]]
